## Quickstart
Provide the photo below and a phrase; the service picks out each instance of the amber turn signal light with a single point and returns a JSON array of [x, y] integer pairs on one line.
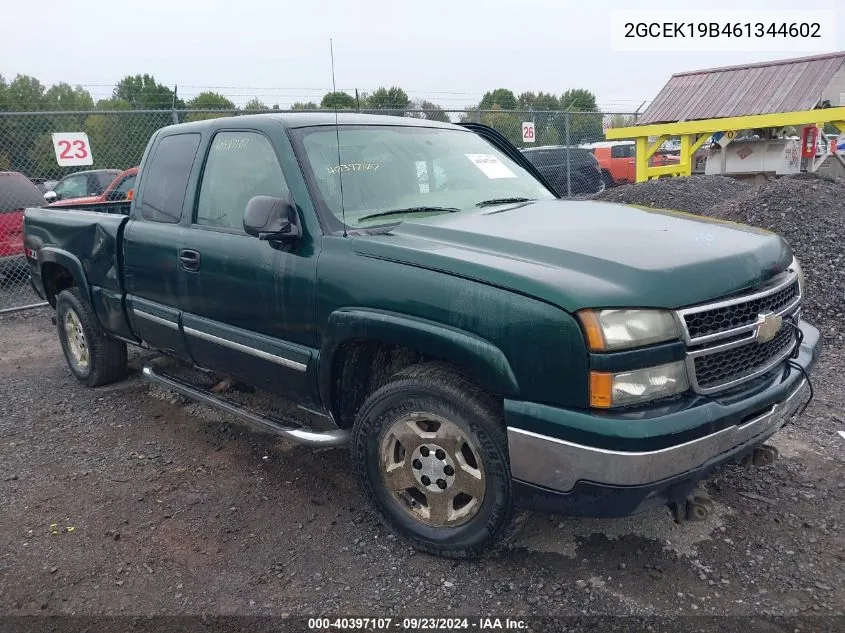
[[592, 330], [601, 388]]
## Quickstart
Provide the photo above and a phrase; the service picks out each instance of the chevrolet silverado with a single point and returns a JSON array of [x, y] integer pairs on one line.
[[480, 344]]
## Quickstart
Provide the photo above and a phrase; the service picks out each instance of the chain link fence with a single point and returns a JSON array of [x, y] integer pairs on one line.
[[44, 159]]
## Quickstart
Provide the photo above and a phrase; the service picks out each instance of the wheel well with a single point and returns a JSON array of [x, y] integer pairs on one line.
[[360, 367], [55, 279]]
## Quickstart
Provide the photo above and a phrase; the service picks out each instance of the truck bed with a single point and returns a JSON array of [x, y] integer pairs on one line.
[[85, 243]]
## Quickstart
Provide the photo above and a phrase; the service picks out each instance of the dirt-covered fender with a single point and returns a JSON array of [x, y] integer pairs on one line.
[[474, 355]]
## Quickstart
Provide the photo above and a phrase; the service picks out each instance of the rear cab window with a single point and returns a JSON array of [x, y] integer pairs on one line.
[[166, 178]]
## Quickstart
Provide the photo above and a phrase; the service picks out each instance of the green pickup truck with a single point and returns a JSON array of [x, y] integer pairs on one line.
[[481, 345]]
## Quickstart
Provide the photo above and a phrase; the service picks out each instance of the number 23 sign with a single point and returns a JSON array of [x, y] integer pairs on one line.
[[72, 149]]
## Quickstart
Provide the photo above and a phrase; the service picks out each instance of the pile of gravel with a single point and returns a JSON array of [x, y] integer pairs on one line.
[[691, 194], [807, 210]]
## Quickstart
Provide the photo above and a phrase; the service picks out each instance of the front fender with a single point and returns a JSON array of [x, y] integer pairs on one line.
[[474, 355]]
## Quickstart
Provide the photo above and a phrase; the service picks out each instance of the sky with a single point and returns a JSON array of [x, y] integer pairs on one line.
[[449, 52]]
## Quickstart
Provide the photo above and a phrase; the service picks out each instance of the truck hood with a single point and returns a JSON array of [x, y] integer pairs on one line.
[[578, 254]]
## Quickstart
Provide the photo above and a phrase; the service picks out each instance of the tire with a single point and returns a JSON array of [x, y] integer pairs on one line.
[[94, 358], [473, 513], [607, 179]]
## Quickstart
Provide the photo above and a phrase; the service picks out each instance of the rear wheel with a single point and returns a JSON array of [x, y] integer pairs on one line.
[[94, 358], [607, 179], [430, 451]]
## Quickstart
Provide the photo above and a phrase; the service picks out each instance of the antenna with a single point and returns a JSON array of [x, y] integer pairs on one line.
[[337, 137]]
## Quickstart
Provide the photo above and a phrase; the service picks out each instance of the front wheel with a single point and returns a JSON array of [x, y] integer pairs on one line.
[[94, 358], [430, 451]]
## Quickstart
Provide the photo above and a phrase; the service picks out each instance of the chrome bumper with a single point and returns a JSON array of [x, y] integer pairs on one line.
[[559, 465]]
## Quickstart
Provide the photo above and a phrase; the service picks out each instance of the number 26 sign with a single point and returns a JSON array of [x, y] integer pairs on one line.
[[72, 149]]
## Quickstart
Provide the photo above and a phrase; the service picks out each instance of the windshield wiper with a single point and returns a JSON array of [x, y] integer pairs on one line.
[[382, 214], [495, 201]]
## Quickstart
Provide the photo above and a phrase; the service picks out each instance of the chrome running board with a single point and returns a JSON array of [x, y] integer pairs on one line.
[[261, 423]]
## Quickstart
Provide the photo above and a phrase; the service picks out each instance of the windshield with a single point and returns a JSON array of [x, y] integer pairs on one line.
[[418, 169]]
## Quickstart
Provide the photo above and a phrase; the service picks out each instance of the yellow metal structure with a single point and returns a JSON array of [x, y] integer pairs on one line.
[[693, 134]]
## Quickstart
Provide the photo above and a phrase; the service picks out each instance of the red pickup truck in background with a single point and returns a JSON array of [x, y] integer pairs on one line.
[[617, 160], [118, 189]]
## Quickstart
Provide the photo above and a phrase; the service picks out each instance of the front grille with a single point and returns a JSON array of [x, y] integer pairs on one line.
[[723, 347], [739, 314], [732, 365]]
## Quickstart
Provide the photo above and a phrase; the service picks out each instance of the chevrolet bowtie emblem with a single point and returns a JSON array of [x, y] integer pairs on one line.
[[768, 325]]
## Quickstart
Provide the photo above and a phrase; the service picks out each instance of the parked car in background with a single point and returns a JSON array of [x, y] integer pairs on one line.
[[584, 172], [118, 190], [16, 193], [82, 184], [617, 160], [44, 185]]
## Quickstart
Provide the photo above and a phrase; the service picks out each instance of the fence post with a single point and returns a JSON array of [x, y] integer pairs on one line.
[[568, 161], [478, 115]]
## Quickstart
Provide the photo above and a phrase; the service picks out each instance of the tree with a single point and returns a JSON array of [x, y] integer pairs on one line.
[[393, 101], [578, 100], [307, 105], [541, 101], [143, 93], [255, 104], [622, 120], [63, 96], [430, 111], [25, 94], [210, 101], [501, 97], [584, 117], [338, 100]]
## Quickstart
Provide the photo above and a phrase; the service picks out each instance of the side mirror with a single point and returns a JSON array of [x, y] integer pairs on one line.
[[51, 196], [271, 218]]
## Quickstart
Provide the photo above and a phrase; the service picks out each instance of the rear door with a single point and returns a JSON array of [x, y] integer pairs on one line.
[[153, 241]]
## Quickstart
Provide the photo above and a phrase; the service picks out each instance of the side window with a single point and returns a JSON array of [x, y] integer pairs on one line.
[[167, 178], [127, 184], [622, 151], [240, 166]]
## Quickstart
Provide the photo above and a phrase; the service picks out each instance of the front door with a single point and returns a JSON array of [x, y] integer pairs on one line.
[[250, 303]]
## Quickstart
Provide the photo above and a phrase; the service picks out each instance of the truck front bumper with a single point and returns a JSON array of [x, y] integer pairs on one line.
[[555, 474]]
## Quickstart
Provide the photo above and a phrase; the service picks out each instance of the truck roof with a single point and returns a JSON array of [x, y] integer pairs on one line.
[[309, 119]]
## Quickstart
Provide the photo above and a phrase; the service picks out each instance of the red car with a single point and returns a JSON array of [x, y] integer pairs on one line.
[[16, 193], [117, 190]]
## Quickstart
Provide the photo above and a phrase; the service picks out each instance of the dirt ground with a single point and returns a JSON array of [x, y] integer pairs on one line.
[[121, 500]]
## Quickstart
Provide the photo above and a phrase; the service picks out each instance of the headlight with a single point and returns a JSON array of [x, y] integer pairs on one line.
[[609, 330], [802, 281], [641, 385]]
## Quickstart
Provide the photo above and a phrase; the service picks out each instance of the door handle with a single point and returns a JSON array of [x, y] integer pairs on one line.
[[189, 259]]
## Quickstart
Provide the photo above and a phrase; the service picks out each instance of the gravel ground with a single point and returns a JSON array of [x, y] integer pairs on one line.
[[127, 500]]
